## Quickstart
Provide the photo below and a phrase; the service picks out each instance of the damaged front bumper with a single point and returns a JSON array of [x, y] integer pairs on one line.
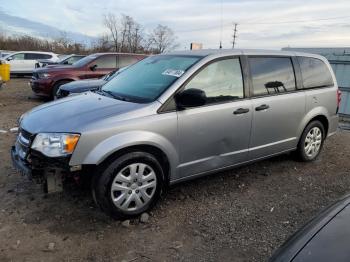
[[44, 170], [19, 164]]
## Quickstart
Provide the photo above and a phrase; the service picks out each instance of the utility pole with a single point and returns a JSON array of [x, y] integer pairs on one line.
[[234, 35]]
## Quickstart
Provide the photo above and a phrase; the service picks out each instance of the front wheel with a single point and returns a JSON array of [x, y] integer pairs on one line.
[[129, 185], [56, 87], [311, 141]]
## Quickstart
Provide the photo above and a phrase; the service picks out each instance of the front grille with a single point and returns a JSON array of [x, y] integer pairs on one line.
[[35, 76], [26, 134], [23, 143]]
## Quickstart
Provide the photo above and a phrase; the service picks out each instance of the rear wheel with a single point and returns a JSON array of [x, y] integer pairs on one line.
[[56, 87], [129, 185], [311, 141]]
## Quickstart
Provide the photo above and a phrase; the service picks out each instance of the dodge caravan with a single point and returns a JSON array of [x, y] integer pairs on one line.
[[178, 116]]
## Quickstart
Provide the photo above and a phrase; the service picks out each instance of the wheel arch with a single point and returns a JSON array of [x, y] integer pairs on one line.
[[62, 80], [324, 121], [158, 153], [319, 114], [122, 143]]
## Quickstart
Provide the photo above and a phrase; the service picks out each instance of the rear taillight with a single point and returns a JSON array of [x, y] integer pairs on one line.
[[338, 97]]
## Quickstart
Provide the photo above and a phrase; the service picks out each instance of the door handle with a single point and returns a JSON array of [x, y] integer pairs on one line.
[[262, 107], [240, 111]]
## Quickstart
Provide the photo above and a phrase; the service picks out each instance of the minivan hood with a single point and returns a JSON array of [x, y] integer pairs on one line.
[[73, 114]]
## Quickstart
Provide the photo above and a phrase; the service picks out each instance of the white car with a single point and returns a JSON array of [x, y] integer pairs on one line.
[[24, 62]]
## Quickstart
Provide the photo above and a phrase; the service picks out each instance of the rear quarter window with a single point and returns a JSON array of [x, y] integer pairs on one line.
[[106, 61], [315, 73], [272, 75], [124, 61], [35, 56]]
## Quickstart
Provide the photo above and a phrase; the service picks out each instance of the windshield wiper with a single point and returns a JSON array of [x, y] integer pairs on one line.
[[111, 94]]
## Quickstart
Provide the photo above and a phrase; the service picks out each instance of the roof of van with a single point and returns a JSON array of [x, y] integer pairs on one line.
[[208, 52], [33, 52], [117, 53]]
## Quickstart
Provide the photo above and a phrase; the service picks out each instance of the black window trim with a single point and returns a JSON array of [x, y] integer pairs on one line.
[[164, 108], [302, 87], [295, 67]]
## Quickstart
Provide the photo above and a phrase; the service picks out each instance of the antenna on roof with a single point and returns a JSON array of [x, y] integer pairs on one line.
[[220, 25]]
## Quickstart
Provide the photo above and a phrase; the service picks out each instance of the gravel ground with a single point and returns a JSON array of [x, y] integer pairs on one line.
[[239, 215]]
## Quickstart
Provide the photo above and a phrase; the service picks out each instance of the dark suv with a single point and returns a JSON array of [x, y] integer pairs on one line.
[[46, 81]]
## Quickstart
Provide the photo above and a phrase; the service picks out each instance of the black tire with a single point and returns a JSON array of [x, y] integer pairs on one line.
[[301, 153], [56, 87], [103, 179]]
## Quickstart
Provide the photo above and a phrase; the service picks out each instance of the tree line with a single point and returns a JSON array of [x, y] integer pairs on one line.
[[123, 34]]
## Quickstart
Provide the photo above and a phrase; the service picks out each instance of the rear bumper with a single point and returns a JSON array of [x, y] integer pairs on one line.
[[333, 125], [41, 87]]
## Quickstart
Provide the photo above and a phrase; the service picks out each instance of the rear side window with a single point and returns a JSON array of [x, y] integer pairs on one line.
[[34, 56], [315, 73], [106, 61], [272, 75], [221, 81], [45, 56], [124, 61]]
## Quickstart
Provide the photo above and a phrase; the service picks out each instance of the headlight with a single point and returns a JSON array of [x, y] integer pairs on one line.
[[44, 75], [55, 144]]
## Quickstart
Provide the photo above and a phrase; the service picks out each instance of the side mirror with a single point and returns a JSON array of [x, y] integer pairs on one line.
[[190, 98], [9, 58], [93, 67], [65, 62]]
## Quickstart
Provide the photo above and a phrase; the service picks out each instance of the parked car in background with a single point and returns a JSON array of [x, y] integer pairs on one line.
[[5, 53], [80, 86], [46, 81], [178, 116], [23, 63], [325, 238], [66, 60]]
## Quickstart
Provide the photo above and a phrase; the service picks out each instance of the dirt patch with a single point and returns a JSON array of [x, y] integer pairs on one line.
[[239, 215]]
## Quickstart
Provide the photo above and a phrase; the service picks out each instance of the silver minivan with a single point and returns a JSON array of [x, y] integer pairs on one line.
[[178, 116]]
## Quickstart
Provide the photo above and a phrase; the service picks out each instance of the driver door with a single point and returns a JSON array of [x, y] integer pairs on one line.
[[217, 134]]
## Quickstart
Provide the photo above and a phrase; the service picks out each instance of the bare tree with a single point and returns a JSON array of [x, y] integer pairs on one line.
[[112, 24], [162, 39], [102, 44]]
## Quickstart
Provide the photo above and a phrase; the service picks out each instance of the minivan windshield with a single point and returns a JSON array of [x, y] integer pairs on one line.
[[146, 80], [84, 61]]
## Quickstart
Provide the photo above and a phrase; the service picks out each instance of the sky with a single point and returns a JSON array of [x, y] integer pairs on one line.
[[268, 24]]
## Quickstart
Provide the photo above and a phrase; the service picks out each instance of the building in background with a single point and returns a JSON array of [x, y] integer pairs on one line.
[[339, 58], [196, 46]]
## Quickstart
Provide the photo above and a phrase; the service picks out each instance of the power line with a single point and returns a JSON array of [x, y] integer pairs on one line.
[[264, 23], [297, 21]]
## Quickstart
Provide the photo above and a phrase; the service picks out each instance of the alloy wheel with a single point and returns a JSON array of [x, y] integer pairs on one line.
[[313, 142]]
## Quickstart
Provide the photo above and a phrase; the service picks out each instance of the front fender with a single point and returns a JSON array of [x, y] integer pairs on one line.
[[126, 139]]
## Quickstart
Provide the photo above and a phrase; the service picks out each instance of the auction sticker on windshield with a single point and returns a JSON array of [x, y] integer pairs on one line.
[[173, 72]]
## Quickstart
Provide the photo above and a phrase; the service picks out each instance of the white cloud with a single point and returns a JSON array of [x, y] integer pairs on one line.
[[187, 17]]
